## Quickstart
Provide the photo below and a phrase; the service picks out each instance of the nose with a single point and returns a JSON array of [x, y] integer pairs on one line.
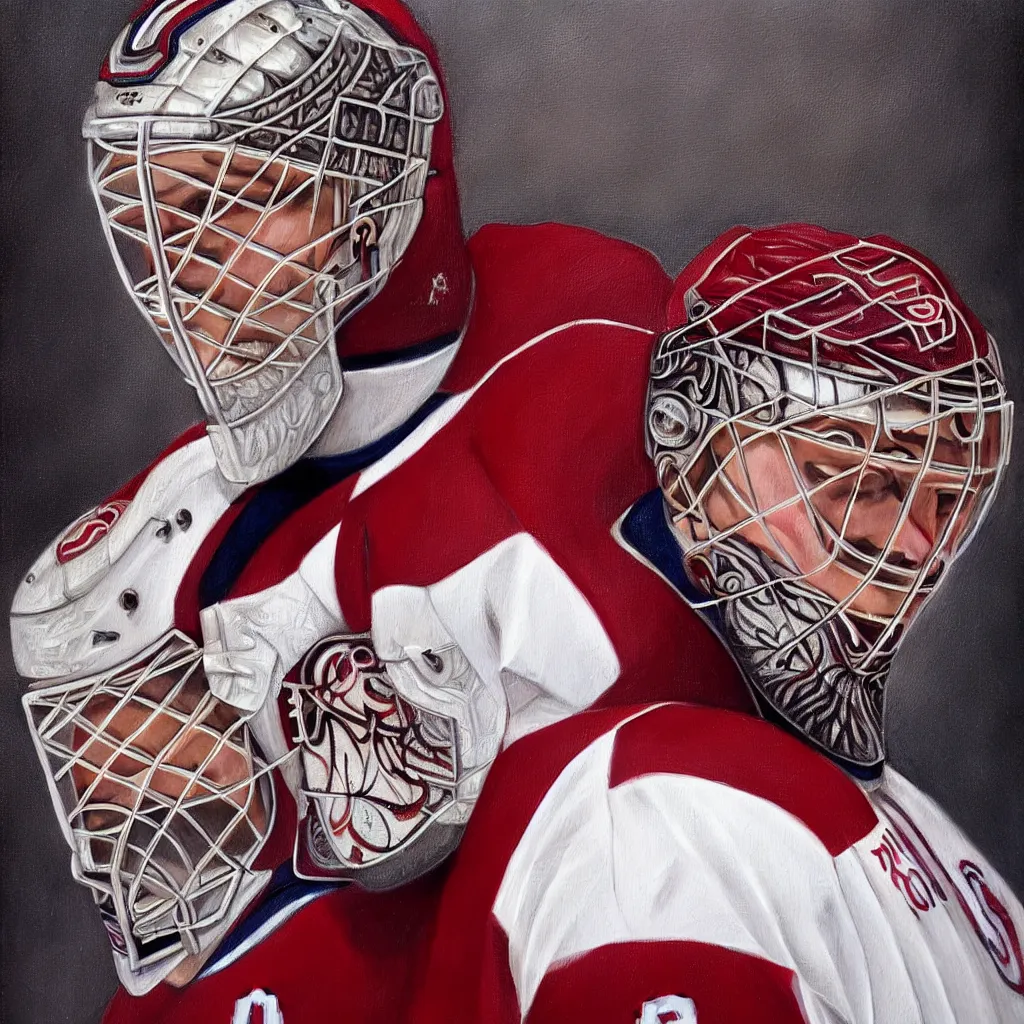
[[913, 542], [916, 538], [872, 528]]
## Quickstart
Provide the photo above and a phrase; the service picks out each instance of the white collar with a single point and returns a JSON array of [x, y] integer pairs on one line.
[[376, 400]]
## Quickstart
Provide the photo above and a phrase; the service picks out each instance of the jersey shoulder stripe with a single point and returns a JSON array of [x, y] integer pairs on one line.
[[747, 754], [516, 785]]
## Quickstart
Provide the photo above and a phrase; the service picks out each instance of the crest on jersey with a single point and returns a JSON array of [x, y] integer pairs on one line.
[[993, 926], [986, 912]]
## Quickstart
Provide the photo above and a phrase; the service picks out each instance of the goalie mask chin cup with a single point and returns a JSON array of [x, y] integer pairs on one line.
[[259, 168], [829, 425]]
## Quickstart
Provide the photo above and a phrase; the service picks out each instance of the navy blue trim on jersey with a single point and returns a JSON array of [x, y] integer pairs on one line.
[[645, 529], [285, 891], [374, 360], [286, 493]]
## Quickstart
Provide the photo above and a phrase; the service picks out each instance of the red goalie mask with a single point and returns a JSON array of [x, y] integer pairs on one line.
[[829, 423]]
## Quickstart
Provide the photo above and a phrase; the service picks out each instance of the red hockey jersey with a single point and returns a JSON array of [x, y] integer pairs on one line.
[[660, 863], [656, 864], [553, 616], [489, 529]]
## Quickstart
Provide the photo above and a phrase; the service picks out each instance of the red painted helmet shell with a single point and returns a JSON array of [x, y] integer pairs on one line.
[[830, 299]]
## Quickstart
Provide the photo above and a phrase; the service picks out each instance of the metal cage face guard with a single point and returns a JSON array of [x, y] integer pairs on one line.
[[164, 800], [377, 769], [819, 504], [249, 226]]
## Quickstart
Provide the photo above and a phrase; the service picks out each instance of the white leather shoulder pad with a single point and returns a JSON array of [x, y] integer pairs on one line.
[[105, 589]]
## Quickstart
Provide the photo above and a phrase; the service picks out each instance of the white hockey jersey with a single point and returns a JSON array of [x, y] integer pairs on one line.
[[660, 864]]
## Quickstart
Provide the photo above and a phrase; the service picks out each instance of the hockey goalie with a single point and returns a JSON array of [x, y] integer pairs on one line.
[[456, 612], [638, 861], [186, 751]]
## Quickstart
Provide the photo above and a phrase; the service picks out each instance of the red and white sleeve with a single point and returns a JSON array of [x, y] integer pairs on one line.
[[639, 893]]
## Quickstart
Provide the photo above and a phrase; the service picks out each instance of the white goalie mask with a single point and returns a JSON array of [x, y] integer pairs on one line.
[[829, 426], [163, 792], [164, 800], [385, 791], [259, 168]]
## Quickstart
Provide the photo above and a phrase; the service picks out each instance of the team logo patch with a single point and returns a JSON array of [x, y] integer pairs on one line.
[[668, 1010], [994, 927], [985, 911], [89, 530]]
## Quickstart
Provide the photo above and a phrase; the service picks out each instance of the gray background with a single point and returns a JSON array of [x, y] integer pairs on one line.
[[662, 122]]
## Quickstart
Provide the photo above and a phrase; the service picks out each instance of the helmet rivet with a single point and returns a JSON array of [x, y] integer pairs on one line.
[[129, 601], [183, 518], [30, 578]]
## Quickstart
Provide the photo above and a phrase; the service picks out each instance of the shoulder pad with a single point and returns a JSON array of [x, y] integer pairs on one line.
[[105, 588]]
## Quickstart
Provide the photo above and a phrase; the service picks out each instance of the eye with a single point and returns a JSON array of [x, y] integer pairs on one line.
[[876, 484], [871, 485], [945, 503], [964, 426], [838, 436], [819, 472], [192, 203], [897, 451]]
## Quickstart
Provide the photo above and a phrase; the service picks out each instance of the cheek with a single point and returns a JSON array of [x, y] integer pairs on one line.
[[790, 526], [283, 232], [287, 235], [795, 533], [228, 769], [293, 228], [765, 473], [286, 231]]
